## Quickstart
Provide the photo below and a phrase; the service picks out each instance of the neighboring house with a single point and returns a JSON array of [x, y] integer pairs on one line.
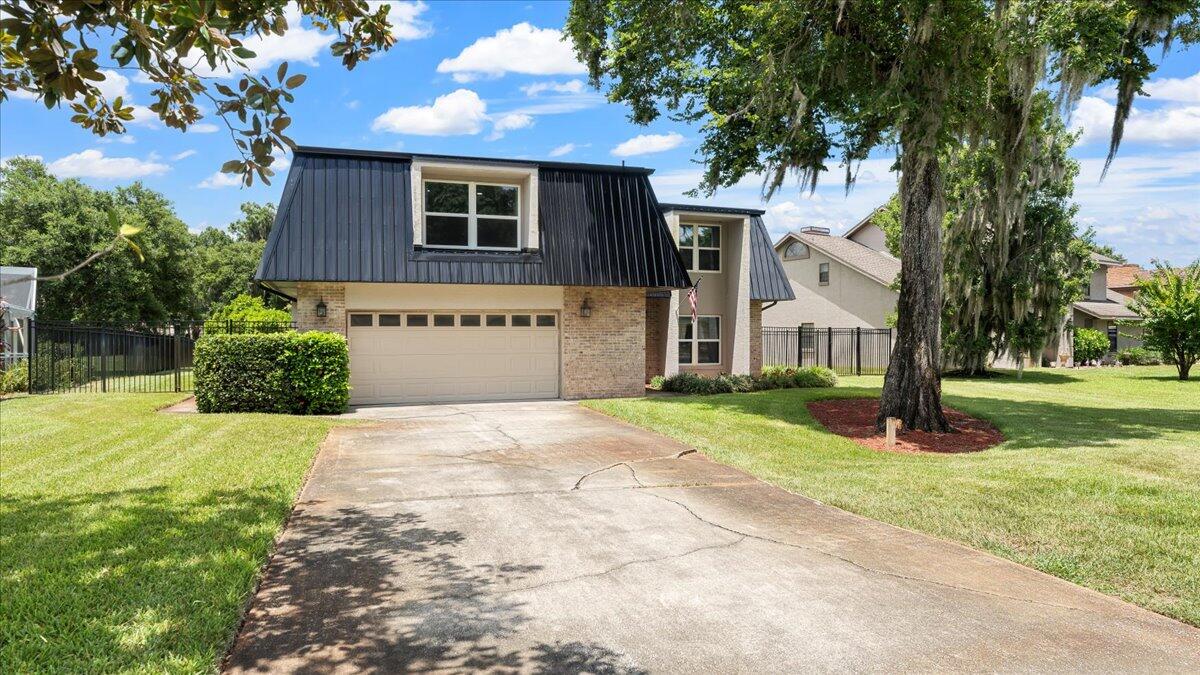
[[838, 282], [18, 303], [459, 278], [1104, 308], [1123, 278]]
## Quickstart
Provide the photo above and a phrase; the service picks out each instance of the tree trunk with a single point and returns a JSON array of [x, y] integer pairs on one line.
[[1184, 367], [912, 389]]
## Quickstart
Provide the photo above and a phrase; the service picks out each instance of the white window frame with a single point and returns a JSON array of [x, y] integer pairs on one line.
[[696, 247], [827, 269], [799, 256], [695, 340], [472, 215]]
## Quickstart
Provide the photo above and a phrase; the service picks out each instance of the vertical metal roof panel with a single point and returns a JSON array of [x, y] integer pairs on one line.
[[768, 281]]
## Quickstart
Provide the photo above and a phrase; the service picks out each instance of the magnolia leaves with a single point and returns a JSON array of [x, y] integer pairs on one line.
[[125, 233], [44, 51]]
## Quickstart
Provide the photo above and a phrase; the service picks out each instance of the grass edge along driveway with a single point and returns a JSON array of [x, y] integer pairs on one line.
[[130, 539], [1098, 481]]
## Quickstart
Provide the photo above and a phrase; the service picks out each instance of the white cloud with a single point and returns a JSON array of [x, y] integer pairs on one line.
[[503, 124], [221, 180], [204, 128], [125, 139], [1176, 89], [644, 144], [564, 149], [182, 155], [406, 22], [93, 164], [1164, 126], [568, 87], [353, 105], [459, 112], [113, 85], [524, 48]]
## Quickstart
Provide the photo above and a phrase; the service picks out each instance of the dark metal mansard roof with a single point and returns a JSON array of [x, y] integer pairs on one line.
[[768, 281], [347, 216]]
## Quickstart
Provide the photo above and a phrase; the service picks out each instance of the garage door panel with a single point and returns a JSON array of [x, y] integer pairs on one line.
[[461, 363]]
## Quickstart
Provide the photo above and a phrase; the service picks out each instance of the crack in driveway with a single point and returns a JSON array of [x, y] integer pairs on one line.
[[628, 464]]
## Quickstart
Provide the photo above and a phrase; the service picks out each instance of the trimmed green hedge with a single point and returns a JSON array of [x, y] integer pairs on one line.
[[293, 373], [1090, 345], [774, 377]]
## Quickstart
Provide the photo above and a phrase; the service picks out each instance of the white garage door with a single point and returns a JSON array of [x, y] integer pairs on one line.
[[432, 356]]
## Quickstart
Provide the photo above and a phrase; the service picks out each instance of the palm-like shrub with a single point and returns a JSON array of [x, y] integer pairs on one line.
[[1169, 304]]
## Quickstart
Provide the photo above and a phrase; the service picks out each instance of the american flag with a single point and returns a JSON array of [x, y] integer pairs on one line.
[[694, 299]]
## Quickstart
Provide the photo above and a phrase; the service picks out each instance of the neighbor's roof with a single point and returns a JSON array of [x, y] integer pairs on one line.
[[1113, 308], [865, 221], [19, 297], [1104, 260], [346, 215], [871, 263], [1126, 276]]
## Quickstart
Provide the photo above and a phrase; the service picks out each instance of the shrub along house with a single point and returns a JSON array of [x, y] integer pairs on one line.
[[458, 278]]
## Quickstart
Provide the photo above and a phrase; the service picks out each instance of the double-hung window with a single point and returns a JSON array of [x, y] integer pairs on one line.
[[700, 246], [823, 274], [472, 215], [699, 344]]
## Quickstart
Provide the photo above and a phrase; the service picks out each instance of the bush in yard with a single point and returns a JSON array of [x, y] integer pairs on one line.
[[1138, 356], [656, 382], [775, 377], [786, 377], [1090, 344], [248, 314], [15, 378], [1169, 304], [294, 373]]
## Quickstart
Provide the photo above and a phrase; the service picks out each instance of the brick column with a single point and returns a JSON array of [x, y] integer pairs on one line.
[[604, 355], [756, 337], [308, 293]]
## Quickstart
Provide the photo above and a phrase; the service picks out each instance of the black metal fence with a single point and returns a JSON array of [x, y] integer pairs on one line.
[[847, 351], [149, 358]]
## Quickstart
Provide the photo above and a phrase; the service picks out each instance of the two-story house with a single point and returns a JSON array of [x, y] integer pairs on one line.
[[1104, 309], [460, 278]]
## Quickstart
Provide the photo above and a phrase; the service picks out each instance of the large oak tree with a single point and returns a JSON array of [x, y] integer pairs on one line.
[[782, 86]]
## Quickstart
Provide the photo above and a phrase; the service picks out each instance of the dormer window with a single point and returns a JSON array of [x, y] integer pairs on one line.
[[476, 215], [701, 247]]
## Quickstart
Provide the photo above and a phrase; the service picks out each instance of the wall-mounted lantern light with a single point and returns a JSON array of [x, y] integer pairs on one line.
[[321, 309], [585, 310]]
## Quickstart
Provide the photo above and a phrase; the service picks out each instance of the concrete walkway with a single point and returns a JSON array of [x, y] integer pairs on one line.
[[542, 537]]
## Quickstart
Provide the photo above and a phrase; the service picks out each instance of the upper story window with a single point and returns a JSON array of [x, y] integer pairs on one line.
[[700, 246], [795, 251], [472, 215], [823, 274]]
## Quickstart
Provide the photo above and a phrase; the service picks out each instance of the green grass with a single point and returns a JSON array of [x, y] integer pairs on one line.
[[1098, 481], [130, 539]]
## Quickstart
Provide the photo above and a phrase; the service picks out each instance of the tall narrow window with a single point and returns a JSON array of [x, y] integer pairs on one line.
[[472, 215], [700, 344], [700, 246], [823, 274]]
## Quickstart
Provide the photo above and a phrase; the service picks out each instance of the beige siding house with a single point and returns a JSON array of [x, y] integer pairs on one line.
[[838, 282]]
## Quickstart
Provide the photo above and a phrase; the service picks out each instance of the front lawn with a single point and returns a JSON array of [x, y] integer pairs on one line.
[[130, 539], [1098, 482]]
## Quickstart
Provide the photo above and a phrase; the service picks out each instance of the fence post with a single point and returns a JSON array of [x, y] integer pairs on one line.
[[31, 350], [799, 346], [103, 360], [178, 348], [858, 350], [829, 347]]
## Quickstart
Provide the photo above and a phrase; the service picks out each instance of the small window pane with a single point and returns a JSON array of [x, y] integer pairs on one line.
[[360, 319], [685, 352], [443, 320], [686, 235], [496, 233], [417, 319], [685, 328], [446, 197], [469, 320], [709, 236], [709, 328], [446, 230], [389, 319], [495, 200], [520, 320], [710, 259], [545, 320], [823, 273], [708, 352], [495, 320], [689, 258]]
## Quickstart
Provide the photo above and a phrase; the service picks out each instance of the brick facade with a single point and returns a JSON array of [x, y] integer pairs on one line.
[[604, 355], [304, 313], [756, 337], [656, 311]]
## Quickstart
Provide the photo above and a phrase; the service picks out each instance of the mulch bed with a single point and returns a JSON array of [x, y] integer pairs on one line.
[[854, 418]]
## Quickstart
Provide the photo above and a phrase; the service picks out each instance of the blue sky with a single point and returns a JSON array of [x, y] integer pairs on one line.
[[492, 79]]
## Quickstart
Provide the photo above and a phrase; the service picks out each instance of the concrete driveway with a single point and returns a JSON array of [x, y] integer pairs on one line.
[[545, 537]]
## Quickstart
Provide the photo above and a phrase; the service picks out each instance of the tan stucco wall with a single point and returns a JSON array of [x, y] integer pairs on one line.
[[872, 237], [603, 355], [850, 299]]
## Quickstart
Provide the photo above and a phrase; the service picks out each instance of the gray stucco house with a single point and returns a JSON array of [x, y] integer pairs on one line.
[[463, 278]]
